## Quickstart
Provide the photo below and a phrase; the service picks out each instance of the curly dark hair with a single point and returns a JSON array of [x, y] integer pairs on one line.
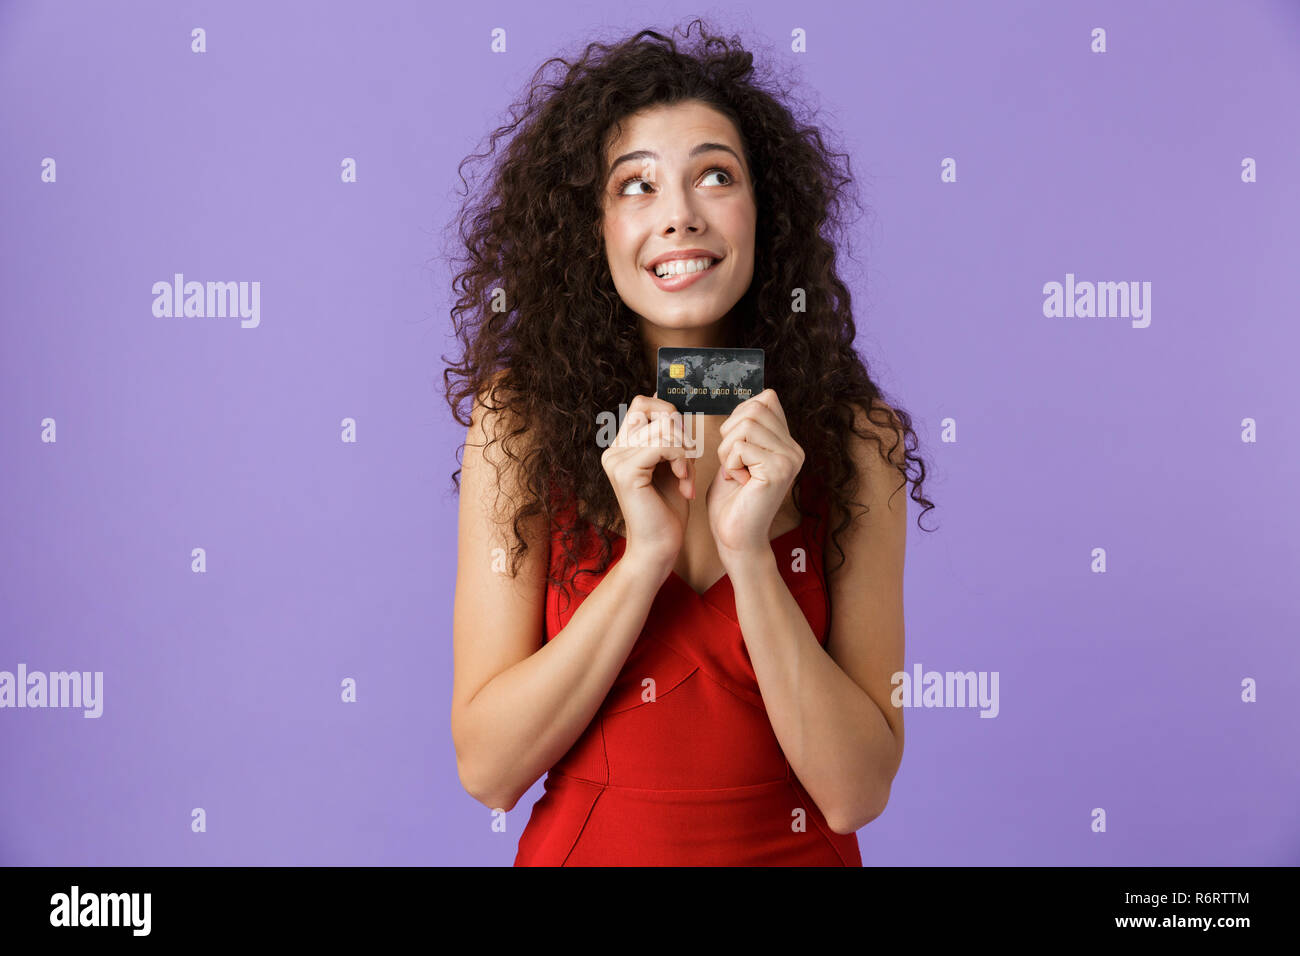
[[566, 347]]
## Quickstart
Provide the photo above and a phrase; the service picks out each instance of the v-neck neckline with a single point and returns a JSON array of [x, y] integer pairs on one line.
[[726, 576]]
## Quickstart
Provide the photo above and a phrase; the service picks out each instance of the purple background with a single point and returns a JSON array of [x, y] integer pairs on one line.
[[327, 560]]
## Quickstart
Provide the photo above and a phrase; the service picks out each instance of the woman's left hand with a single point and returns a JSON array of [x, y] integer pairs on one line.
[[758, 462]]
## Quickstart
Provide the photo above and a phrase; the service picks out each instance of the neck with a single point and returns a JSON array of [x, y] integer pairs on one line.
[[720, 334]]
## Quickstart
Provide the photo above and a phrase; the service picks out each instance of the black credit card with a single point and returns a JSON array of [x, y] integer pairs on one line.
[[709, 381]]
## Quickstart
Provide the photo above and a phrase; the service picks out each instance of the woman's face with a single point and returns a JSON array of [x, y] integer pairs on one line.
[[685, 187]]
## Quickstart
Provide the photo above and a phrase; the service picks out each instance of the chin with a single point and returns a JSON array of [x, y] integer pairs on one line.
[[678, 321]]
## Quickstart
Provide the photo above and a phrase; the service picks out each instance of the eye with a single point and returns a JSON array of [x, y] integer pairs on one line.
[[622, 187], [629, 181]]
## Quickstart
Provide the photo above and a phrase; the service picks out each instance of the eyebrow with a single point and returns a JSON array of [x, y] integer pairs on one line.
[[650, 154]]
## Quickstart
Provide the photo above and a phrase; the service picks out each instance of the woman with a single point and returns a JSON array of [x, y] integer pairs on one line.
[[665, 638]]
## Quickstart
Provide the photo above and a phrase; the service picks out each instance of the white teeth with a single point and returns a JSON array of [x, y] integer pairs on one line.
[[676, 267]]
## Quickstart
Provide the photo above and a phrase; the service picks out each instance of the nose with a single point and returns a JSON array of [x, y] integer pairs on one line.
[[681, 213]]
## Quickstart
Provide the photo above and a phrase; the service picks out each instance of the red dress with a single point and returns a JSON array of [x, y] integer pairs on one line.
[[695, 776]]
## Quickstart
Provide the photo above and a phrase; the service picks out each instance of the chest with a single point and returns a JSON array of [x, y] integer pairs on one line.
[[698, 563]]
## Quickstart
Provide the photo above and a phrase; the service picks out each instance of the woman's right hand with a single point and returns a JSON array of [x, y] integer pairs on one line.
[[653, 479]]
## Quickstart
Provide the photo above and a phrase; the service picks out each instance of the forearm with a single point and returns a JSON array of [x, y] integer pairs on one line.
[[837, 741], [527, 717]]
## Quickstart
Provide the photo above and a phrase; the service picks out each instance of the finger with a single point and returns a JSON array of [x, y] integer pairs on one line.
[[738, 475], [758, 411], [636, 424], [746, 457], [757, 433], [633, 421], [651, 406], [759, 437], [664, 431], [654, 443], [646, 460], [767, 398], [669, 416]]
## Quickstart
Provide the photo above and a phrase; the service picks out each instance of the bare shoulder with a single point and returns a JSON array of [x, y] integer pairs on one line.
[[880, 458], [497, 450], [885, 425], [494, 421], [497, 617]]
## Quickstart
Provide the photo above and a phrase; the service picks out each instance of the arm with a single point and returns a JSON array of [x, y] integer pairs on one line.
[[519, 704], [830, 709]]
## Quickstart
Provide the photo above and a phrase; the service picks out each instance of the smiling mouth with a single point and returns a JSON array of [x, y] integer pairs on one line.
[[677, 276]]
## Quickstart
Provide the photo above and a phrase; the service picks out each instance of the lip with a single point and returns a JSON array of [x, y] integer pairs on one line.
[[676, 283], [682, 254]]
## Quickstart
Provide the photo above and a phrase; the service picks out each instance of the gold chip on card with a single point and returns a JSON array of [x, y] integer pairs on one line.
[[677, 370]]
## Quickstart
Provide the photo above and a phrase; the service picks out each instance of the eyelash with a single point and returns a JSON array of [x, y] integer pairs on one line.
[[716, 169]]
